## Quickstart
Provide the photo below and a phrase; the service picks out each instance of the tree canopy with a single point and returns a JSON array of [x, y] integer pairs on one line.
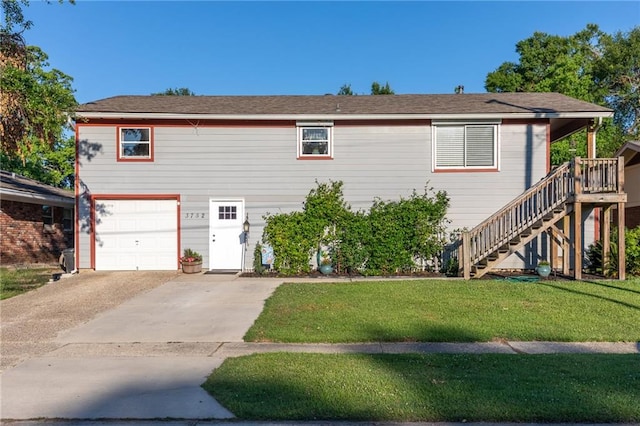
[[178, 91], [37, 104], [376, 89], [590, 65]]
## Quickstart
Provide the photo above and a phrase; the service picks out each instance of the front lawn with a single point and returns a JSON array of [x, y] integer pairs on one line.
[[21, 280], [451, 311], [410, 387]]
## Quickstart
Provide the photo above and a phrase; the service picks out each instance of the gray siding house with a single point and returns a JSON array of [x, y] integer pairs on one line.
[[157, 174]]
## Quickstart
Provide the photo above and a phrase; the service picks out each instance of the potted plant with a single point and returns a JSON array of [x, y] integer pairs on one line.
[[325, 265], [543, 269], [191, 261]]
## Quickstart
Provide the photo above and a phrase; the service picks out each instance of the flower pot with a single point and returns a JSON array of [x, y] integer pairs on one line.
[[326, 269], [543, 270], [191, 267]]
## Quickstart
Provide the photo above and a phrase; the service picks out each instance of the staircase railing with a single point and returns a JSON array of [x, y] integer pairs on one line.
[[594, 175]]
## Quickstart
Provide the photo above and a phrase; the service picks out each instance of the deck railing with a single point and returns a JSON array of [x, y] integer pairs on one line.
[[580, 176]]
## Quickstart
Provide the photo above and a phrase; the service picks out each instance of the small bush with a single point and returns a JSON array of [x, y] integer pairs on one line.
[[610, 266]]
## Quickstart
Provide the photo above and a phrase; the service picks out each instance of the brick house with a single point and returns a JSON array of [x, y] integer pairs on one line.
[[36, 220]]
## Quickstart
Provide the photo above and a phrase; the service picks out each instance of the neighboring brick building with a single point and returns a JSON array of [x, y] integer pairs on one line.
[[36, 220]]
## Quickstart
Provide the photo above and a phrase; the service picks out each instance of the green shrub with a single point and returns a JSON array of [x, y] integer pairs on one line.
[[610, 267], [394, 236]]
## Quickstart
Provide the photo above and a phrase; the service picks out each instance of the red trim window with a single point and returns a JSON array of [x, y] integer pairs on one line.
[[315, 140], [135, 143], [465, 146]]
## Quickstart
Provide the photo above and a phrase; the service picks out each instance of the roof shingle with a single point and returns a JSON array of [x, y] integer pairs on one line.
[[484, 103]]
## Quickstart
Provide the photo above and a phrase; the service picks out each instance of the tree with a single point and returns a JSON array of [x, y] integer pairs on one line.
[[37, 102], [589, 65], [617, 73], [182, 91], [345, 90], [377, 89]]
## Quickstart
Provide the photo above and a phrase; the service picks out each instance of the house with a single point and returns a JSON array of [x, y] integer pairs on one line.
[[36, 220], [631, 154], [157, 174]]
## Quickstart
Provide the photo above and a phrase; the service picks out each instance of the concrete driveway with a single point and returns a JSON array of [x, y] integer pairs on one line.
[[144, 358]]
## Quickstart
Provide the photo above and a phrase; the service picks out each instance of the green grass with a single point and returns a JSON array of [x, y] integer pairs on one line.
[[451, 311], [411, 387], [18, 281]]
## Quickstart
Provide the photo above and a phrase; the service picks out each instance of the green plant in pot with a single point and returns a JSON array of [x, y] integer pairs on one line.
[[543, 269], [191, 261]]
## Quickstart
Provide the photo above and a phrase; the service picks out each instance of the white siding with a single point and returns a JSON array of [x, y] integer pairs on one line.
[[259, 165]]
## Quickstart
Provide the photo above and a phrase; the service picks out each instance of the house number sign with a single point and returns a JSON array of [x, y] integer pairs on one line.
[[195, 215]]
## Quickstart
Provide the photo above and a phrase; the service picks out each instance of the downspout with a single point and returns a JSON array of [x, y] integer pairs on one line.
[[592, 131]]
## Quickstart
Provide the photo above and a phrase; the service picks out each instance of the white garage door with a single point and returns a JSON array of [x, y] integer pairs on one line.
[[136, 235]]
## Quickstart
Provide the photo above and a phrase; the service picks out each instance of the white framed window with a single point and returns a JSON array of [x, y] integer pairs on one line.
[[135, 143], [315, 140], [465, 146]]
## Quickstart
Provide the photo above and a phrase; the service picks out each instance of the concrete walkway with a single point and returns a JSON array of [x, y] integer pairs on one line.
[[147, 357]]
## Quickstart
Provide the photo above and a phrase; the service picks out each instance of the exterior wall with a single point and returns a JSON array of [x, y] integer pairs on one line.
[[23, 237], [259, 164], [632, 217], [632, 188]]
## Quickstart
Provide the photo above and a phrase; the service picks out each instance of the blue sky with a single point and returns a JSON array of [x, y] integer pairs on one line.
[[298, 47]]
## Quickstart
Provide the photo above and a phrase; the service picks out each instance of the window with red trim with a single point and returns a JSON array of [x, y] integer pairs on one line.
[[315, 140], [468, 146], [135, 143]]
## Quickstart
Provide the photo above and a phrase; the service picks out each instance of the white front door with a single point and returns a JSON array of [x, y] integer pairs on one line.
[[136, 234], [226, 242]]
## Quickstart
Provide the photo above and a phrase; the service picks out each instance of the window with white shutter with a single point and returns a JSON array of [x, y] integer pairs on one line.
[[465, 146]]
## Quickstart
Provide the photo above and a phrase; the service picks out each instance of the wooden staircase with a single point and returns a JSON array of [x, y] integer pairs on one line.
[[537, 210]]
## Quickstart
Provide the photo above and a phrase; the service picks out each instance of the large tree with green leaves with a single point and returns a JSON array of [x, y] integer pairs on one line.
[[589, 65], [37, 104]]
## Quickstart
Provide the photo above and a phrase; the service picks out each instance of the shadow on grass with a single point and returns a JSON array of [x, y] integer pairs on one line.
[[615, 287], [597, 296], [436, 387]]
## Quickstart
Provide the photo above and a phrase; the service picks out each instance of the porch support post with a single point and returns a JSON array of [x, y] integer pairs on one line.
[[566, 254], [605, 235], [591, 140], [577, 220], [555, 244], [577, 241], [621, 243], [621, 224], [466, 255]]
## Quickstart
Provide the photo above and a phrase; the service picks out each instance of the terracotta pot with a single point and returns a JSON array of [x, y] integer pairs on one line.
[[191, 267]]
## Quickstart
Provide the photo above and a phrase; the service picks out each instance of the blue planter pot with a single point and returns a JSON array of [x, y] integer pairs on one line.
[[326, 269], [543, 270]]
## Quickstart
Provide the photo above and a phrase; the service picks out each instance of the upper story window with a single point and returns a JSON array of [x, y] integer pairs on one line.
[[135, 144], [465, 146], [315, 140]]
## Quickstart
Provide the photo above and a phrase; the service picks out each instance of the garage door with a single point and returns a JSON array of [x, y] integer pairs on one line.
[[136, 235]]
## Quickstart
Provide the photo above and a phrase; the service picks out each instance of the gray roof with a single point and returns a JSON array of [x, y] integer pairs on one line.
[[464, 104], [19, 188], [631, 153]]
